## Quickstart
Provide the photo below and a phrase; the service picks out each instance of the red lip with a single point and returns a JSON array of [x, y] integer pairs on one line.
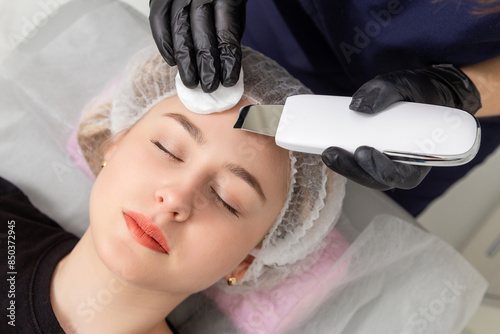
[[145, 233]]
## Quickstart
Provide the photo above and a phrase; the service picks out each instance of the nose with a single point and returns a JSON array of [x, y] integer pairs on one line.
[[175, 201]]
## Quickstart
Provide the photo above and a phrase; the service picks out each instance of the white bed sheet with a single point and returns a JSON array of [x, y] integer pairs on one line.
[[42, 105]]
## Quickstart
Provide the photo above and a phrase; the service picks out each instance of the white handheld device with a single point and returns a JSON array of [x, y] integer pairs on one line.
[[408, 132]]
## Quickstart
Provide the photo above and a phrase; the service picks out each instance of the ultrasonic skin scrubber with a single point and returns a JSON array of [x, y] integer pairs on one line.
[[407, 132]]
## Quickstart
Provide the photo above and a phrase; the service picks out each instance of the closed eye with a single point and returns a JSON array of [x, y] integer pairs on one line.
[[167, 152], [216, 196], [220, 201]]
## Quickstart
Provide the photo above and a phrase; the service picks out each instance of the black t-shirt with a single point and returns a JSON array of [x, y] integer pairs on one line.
[[31, 245]]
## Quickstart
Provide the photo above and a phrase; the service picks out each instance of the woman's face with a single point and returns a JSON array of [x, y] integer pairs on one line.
[[211, 192]]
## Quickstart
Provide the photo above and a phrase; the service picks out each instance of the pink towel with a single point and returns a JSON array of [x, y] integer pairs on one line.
[[279, 309]]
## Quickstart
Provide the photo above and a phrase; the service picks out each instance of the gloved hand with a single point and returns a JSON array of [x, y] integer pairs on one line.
[[201, 37], [443, 85]]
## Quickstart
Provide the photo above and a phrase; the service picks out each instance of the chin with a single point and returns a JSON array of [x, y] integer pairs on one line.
[[122, 260]]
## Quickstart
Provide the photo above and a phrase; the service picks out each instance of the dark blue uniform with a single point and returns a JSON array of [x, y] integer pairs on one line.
[[334, 46]]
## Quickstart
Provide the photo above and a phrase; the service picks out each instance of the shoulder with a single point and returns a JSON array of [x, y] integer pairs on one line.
[[7, 188], [16, 207]]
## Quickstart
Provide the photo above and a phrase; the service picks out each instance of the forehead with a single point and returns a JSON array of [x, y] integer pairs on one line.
[[256, 152], [217, 126]]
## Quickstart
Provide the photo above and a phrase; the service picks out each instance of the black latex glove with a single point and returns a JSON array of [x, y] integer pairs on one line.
[[201, 37], [443, 85]]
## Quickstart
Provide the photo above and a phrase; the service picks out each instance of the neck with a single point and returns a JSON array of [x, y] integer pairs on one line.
[[88, 298]]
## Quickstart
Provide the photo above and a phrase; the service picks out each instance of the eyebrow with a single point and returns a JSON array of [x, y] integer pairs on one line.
[[243, 174], [237, 170], [190, 128]]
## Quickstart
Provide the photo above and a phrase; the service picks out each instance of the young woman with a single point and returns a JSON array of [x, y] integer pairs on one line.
[[181, 202]]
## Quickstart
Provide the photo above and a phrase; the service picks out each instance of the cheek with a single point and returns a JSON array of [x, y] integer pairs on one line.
[[116, 186], [218, 250], [97, 196], [128, 172]]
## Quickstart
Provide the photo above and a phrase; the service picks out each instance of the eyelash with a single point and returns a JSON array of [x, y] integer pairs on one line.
[[167, 152], [219, 200], [216, 196]]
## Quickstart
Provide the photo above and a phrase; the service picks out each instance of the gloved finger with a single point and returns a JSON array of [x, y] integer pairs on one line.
[[230, 24], [343, 162], [205, 44], [159, 20], [375, 95], [183, 43], [384, 170]]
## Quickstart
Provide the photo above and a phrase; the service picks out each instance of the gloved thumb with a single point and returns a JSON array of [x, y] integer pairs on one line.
[[374, 96], [386, 171]]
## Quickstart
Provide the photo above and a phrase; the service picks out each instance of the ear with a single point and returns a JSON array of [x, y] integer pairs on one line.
[[241, 269]]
